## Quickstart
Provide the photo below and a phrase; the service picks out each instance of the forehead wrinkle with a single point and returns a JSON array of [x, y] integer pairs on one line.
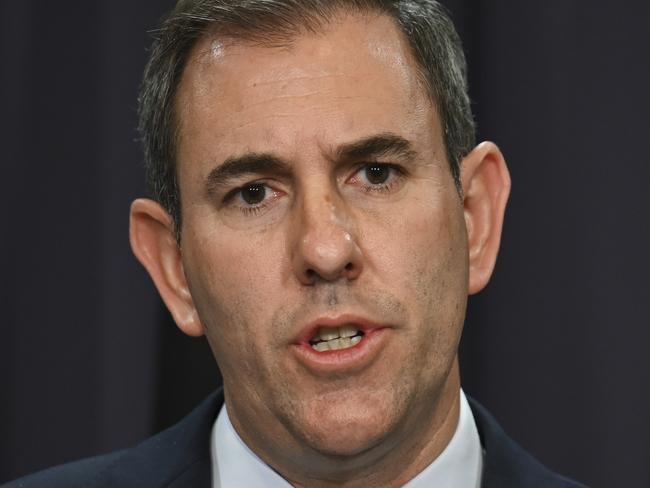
[[324, 107], [398, 52], [290, 97], [248, 123], [300, 77]]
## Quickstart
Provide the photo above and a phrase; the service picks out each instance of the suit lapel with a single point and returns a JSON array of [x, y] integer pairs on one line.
[[178, 457], [506, 464]]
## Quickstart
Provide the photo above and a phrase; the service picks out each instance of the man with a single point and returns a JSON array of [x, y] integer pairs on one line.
[[321, 214]]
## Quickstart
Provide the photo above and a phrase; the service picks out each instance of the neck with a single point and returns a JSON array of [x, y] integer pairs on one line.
[[418, 443]]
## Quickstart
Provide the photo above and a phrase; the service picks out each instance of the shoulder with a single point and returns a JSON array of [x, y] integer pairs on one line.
[[178, 456], [79, 473], [506, 464]]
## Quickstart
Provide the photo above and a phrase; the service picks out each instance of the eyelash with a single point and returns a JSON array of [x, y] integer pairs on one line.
[[245, 208], [393, 179], [253, 210], [397, 174]]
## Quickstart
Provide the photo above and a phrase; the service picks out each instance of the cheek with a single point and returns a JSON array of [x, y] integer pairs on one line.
[[441, 269], [232, 287], [441, 291], [421, 250], [423, 258], [226, 268]]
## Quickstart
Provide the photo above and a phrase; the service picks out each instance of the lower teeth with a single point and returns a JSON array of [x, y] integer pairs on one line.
[[336, 344]]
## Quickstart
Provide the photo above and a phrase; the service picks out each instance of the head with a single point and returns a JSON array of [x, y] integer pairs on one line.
[[428, 31], [313, 174]]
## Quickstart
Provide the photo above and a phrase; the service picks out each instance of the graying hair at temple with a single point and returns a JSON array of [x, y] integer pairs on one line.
[[425, 24]]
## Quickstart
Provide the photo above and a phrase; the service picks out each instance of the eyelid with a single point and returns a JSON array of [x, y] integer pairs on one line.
[[230, 194], [249, 210], [399, 170], [393, 183], [364, 164]]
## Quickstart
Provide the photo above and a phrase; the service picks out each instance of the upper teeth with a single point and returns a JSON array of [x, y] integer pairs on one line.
[[332, 338]]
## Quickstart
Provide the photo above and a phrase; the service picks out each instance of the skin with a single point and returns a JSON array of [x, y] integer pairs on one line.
[[326, 242]]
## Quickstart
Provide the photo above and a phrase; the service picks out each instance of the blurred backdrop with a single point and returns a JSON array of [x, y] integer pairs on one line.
[[556, 347]]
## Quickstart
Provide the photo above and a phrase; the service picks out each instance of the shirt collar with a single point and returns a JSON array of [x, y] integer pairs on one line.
[[459, 465]]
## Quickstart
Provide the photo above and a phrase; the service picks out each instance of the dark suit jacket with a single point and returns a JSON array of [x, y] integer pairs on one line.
[[180, 457]]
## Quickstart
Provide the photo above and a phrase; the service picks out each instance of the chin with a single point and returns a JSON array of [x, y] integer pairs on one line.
[[350, 425], [347, 444]]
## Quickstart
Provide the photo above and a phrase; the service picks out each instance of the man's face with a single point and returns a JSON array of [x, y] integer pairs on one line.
[[316, 194]]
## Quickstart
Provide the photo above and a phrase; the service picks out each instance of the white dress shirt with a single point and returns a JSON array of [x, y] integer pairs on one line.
[[459, 465]]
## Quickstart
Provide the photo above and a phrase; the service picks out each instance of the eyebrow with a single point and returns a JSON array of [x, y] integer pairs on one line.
[[251, 163], [385, 144]]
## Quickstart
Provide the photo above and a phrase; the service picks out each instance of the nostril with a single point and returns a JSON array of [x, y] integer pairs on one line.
[[311, 275], [349, 266]]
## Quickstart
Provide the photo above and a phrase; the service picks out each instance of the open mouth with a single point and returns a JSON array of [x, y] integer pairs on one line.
[[344, 344], [336, 338]]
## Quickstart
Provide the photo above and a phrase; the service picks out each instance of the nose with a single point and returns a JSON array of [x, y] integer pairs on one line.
[[325, 245]]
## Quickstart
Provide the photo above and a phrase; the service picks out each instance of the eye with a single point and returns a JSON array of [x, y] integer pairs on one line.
[[377, 174], [253, 194], [378, 177], [252, 198]]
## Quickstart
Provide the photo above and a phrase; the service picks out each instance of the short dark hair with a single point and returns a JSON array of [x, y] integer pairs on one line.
[[425, 24]]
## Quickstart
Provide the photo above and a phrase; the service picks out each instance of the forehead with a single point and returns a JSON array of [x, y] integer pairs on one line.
[[353, 79]]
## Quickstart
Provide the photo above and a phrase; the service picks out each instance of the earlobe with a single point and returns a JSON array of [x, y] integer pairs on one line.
[[486, 187], [154, 245]]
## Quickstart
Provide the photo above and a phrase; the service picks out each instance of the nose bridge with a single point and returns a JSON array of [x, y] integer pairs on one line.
[[326, 246], [323, 210]]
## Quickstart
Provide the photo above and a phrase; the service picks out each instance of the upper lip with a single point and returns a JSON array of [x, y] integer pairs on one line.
[[309, 330]]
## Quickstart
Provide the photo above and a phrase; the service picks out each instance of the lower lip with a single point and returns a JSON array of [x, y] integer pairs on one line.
[[346, 360]]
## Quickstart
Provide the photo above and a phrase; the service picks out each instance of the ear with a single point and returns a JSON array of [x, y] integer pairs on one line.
[[486, 186], [151, 233]]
